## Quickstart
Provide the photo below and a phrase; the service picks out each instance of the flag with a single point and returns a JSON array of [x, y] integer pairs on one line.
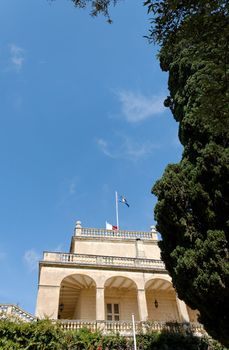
[[110, 227], [123, 200]]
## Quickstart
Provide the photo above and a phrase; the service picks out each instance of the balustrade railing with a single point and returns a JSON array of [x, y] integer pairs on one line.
[[101, 260], [126, 327], [15, 312], [95, 232], [173, 327], [123, 327], [78, 324]]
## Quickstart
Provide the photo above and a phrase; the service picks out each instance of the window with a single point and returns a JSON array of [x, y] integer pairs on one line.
[[112, 312]]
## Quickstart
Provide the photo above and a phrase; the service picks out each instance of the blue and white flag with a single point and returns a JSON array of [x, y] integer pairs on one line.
[[124, 201]]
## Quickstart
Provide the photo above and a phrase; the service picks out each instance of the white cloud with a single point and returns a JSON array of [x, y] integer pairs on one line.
[[31, 258], [126, 149], [136, 107], [103, 145], [17, 57]]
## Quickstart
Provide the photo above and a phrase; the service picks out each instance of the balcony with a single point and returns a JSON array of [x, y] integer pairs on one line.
[[101, 261]]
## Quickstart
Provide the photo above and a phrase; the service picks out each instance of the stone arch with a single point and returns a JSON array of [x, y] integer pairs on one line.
[[120, 295], [161, 300], [120, 281], [159, 276], [76, 290], [159, 283]]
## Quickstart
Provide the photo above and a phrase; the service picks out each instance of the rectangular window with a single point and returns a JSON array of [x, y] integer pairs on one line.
[[112, 312]]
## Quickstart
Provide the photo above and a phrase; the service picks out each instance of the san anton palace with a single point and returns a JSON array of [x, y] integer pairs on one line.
[[108, 276]]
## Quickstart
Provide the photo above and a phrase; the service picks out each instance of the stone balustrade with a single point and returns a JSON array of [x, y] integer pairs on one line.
[[122, 327], [15, 312], [126, 327], [101, 260], [78, 324], [116, 234]]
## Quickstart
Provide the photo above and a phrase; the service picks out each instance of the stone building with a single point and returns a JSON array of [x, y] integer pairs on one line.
[[107, 276]]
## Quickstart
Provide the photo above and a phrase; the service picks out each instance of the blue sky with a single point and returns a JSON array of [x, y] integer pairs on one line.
[[81, 113]]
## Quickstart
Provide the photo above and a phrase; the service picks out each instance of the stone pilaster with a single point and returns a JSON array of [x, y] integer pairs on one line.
[[48, 301], [183, 312], [142, 305], [100, 305]]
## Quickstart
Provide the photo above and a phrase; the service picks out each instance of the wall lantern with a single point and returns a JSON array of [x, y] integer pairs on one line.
[[156, 303], [61, 307]]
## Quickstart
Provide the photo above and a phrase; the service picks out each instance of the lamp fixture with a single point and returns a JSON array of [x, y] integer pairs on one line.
[[156, 303], [61, 307]]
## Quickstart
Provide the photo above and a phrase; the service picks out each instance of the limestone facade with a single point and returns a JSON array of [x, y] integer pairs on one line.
[[108, 276]]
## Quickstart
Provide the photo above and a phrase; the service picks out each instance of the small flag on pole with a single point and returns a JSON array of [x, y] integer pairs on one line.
[[124, 201], [110, 227]]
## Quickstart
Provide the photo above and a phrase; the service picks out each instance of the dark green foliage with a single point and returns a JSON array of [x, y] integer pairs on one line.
[[117, 342], [172, 341], [97, 6], [193, 196], [44, 335], [82, 340], [32, 336]]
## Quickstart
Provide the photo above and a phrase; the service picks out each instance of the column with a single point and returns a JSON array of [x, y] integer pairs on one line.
[[142, 305], [100, 307], [48, 301], [183, 312]]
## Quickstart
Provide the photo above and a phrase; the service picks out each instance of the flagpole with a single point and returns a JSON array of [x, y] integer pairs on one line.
[[116, 205], [134, 334]]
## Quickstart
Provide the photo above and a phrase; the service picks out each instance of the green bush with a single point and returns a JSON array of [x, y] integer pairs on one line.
[[172, 341], [39, 335], [44, 335]]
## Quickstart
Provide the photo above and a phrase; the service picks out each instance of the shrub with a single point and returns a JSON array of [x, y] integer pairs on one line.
[[44, 335]]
